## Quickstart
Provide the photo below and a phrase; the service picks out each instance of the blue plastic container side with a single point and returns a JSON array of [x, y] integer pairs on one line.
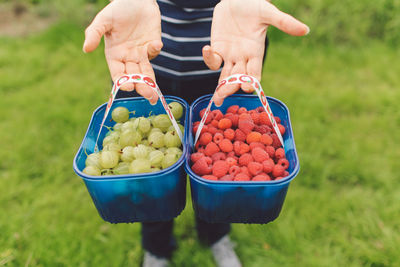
[[241, 202], [144, 197]]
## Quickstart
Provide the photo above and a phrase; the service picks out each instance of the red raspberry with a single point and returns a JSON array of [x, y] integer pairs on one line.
[[275, 141], [261, 177], [257, 144], [201, 113], [286, 173], [271, 151], [245, 170], [253, 137], [231, 154], [268, 165], [214, 123], [278, 170], [256, 117], [205, 138], [226, 145], [218, 156], [226, 178], [245, 116], [220, 168], [277, 119], [208, 160], [210, 177], [240, 135], [264, 119], [266, 139], [246, 125], [284, 162], [211, 149], [225, 124], [242, 110], [245, 159], [209, 117], [259, 154], [281, 129], [218, 137], [240, 148], [233, 109], [212, 130], [231, 161], [217, 114], [196, 156], [220, 132], [279, 153], [242, 177], [255, 168], [203, 130], [201, 149], [200, 167], [229, 134], [234, 170], [260, 109]]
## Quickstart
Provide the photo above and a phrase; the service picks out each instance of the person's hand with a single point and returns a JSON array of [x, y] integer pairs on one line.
[[238, 35], [132, 36]]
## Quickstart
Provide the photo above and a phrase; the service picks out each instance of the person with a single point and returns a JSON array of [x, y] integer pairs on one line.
[[182, 45]]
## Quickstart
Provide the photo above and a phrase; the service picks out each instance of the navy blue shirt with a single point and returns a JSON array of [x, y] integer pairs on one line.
[[186, 28]]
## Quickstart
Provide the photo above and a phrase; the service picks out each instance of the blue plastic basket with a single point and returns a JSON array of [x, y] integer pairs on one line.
[[146, 197], [241, 202]]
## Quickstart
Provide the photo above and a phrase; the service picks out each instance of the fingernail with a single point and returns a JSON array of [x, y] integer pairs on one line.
[[308, 30]]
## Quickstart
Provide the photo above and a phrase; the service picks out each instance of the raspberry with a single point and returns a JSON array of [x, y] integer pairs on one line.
[[211, 149], [200, 149], [240, 135], [230, 134], [242, 110], [200, 167], [218, 156], [208, 160], [220, 168], [225, 124], [271, 151], [205, 138], [260, 109], [203, 130], [286, 173], [266, 139], [245, 159], [235, 120], [256, 117], [196, 156], [255, 168], [278, 170], [209, 117], [284, 162], [218, 137], [231, 161], [217, 114], [210, 177], [233, 109], [212, 130], [242, 177], [257, 144], [253, 137], [226, 178], [261, 177], [246, 125], [281, 129], [240, 148], [259, 154], [245, 170], [275, 141], [279, 153], [234, 170], [264, 119], [277, 119], [226, 145], [220, 131], [245, 116], [214, 123], [201, 113], [231, 154], [268, 165]]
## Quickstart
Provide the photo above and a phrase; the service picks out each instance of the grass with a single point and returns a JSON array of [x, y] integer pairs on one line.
[[341, 210]]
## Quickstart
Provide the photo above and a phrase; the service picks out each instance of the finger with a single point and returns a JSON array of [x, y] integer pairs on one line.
[[211, 58], [131, 68], [154, 48], [225, 72], [93, 33], [285, 22], [143, 89], [229, 89], [253, 68]]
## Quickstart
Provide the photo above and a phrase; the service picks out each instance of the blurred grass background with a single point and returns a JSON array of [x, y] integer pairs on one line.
[[341, 84]]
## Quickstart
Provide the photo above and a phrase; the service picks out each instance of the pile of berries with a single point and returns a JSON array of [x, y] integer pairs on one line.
[[239, 146]]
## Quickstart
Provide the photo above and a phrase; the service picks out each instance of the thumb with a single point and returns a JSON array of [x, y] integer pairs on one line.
[[284, 22], [154, 48], [212, 59], [93, 33]]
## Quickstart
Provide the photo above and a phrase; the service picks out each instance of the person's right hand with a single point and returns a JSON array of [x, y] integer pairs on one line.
[[132, 36]]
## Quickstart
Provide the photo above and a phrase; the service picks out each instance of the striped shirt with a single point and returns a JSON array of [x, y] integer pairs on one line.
[[186, 28]]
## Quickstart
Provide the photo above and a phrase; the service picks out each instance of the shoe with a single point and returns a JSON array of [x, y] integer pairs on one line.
[[151, 260], [224, 254]]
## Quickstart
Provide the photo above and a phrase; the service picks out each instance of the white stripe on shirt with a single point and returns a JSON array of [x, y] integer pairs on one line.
[[187, 9], [185, 73], [185, 39], [180, 21], [166, 54]]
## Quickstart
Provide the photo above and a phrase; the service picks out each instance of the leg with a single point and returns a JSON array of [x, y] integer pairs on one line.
[[157, 238], [209, 233]]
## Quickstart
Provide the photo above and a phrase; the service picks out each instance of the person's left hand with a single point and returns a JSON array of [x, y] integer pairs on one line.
[[238, 35]]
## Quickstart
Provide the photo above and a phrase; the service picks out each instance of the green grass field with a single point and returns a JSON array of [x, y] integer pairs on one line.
[[341, 210]]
